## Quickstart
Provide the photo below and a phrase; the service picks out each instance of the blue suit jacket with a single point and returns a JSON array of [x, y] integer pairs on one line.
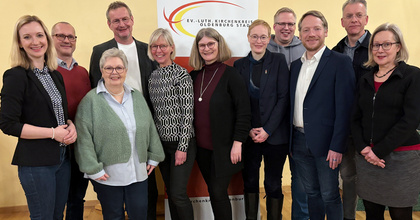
[[274, 95], [327, 104]]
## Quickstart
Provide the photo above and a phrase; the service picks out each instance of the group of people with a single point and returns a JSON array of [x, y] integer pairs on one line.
[[352, 110]]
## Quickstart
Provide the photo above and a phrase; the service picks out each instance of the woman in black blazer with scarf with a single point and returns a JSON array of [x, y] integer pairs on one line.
[[34, 109], [267, 78], [221, 117]]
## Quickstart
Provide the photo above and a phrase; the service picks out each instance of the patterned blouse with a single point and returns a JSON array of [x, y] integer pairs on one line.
[[171, 93], [49, 86]]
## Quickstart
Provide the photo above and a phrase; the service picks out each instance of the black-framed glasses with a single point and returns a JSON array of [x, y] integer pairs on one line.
[[385, 46], [283, 24], [62, 37], [210, 45], [162, 47], [110, 69], [124, 20], [254, 38]]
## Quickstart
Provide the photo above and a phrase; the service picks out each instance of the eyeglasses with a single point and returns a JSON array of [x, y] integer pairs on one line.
[[62, 37], [255, 38], [125, 20], [162, 47], [210, 45], [283, 24], [350, 16], [118, 69], [385, 46]]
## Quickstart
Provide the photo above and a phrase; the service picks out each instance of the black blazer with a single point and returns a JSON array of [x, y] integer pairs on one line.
[[25, 101], [146, 65], [274, 95], [230, 119], [396, 111]]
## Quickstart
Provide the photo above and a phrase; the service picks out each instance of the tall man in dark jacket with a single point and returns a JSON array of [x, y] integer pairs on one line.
[[356, 46], [121, 21]]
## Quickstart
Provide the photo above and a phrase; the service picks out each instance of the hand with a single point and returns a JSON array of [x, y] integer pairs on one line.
[[71, 137], [252, 133], [334, 158], [103, 178], [261, 135], [371, 157], [236, 152], [149, 169], [180, 157], [60, 132]]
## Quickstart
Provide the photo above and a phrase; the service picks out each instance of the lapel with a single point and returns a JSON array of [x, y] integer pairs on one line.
[[245, 70], [324, 60], [41, 88], [266, 71], [294, 71]]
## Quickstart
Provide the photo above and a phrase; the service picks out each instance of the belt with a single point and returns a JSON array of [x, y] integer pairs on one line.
[[300, 129]]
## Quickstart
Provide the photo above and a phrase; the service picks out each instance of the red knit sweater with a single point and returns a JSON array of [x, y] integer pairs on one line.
[[77, 85]]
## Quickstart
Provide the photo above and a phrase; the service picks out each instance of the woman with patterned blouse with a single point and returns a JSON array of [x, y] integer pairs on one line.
[[171, 93], [34, 109]]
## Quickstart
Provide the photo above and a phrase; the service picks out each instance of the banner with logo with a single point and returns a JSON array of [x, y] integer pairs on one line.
[[184, 18], [231, 18]]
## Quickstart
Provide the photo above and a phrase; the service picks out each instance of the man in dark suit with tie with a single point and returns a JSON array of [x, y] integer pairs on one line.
[[121, 21], [322, 84]]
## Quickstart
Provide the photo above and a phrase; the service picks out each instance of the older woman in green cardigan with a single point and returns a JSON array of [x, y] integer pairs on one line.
[[118, 144]]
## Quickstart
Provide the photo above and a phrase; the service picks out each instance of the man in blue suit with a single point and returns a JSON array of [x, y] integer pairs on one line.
[[322, 84]]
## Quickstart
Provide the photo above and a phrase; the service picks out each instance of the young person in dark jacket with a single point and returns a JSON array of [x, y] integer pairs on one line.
[[222, 117], [384, 122], [266, 76], [34, 109]]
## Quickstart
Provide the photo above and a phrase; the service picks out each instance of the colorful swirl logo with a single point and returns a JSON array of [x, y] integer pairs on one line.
[[176, 16]]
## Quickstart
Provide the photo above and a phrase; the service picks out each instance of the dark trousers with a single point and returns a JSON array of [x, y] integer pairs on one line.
[[216, 185], [274, 158], [348, 174], [376, 211], [152, 196], [176, 180], [46, 188], [113, 199], [78, 186]]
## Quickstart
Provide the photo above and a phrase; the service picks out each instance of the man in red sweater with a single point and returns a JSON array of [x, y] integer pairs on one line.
[[76, 81]]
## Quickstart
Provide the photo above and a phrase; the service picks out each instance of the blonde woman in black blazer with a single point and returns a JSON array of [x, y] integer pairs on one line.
[[34, 109]]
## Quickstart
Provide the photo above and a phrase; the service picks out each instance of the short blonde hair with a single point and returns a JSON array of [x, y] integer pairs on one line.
[[113, 52], [284, 10], [316, 14], [18, 55], [196, 61], [402, 55], [166, 35], [259, 22]]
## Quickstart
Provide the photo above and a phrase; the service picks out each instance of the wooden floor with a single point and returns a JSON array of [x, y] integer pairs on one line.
[[92, 210]]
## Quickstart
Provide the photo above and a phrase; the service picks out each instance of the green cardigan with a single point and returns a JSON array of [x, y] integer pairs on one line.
[[102, 138]]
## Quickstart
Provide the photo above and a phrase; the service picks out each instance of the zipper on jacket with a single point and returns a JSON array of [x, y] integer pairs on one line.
[[373, 114]]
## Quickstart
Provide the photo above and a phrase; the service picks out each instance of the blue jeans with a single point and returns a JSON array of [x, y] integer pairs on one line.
[[319, 180], [46, 188], [113, 199], [299, 197]]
